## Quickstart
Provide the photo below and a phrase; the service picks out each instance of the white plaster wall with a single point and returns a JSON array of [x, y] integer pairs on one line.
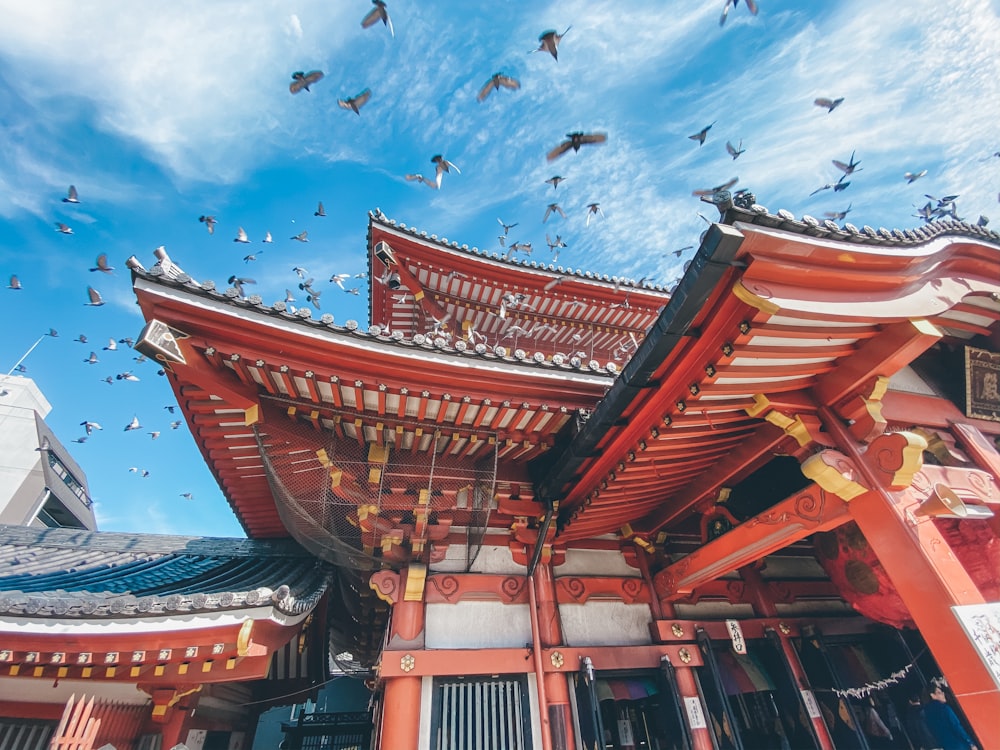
[[491, 559], [907, 381], [477, 625], [595, 562], [609, 623]]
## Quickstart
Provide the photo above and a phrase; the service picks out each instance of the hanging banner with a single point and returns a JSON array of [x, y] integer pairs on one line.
[[812, 707], [982, 384], [696, 717], [736, 636]]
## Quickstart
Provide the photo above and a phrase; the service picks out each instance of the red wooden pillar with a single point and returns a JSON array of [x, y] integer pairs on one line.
[[401, 696], [687, 687], [763, 605], [555, 688], [924, 570]]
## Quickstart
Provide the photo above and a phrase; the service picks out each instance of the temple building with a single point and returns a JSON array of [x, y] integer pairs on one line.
[[556, 510]]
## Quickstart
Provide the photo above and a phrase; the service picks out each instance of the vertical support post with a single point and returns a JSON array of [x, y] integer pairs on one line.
[[401, 696], [549, 635]]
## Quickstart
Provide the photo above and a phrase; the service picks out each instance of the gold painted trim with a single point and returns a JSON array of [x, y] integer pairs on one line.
[[745, 295], [829, 479], [416, 578]]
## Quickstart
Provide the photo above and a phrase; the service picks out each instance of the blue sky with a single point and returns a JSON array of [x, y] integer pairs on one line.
[[159, 112]]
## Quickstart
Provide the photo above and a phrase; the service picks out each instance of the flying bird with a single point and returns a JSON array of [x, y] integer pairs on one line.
[[175, 424], [112, 346], [187, 496], [81, 338], [101, 264], [154, 434], [267, 237], [209, 222], [548, 41], [94, 296], [339, 279], [575, 141], [849, 168], [751, 6], [838, 215], [495, 82], [128, 341], [912, 177], [133, 425], [829, 104], [735, 151], [71, 195], [63, 228], [506, 227], [442, 165], [127, 376], [302, 236], [90, 426], [300, 272], [53, 333], [302, 81], [238, 283], [320, 211], [15, 283], [241, 236], [251, 256], [701, 134], [717, 189], [417, 177], [553, 208], [554, 181], [837, 187], [92, 359], [376, 14], [356, 102], [594, 209], [555, 246]]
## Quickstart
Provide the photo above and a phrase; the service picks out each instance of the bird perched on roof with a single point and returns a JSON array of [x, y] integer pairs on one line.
[[302, 236], [838, 215], [15, 283], [442, 165], [829, 104], [238, 283], [302, 81], [554, 181], [101, 264], [376, 14], [717, 189], [548, 41], [594, 209], [751, 6], [71, 195], [495, 82], [209, 222], [94, 296], [553, 208], [912, 177], [701, 134], [849, 168], [241, 236], [575, 141], [63, 228], [735, 151], [320, 211], [417, 177], [356, 102]]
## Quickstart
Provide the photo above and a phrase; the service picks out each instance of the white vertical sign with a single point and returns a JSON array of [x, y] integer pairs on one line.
[[812, 707], [736, 636], [696, 717]]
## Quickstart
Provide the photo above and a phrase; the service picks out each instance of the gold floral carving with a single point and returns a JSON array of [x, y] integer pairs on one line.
[[685, 655], [557, 659], [407, 662], [677, 629]]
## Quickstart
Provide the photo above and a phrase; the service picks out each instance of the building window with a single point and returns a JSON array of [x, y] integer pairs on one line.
[[74, 484], [481, 714]]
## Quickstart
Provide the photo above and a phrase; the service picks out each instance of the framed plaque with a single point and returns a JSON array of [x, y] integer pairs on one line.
[[982, 384]]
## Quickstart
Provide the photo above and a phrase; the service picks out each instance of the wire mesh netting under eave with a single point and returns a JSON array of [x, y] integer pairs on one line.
[[363, 505]]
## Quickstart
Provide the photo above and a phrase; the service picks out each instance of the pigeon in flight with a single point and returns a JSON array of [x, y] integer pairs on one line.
[[251, 257], [238, 283], [154, 434], [94, 296], [912, 177], [417, 177], [376, 14], [127, 376], [838, 215], [80, 440], [90, 426], [267, 237], [717, 189], [133, 425], [15, 283], [495, 82], [128, 341], [53, 333], [81, 338], [506, 227], [187, 496], [112, 346], [356, 102], [300, 272], [209, 222], [594, 209], [101, 264], [701, 134], [175, 424], [63, 228], [554, 181], [829, 104], [575, 141], [92, 359], [553, 208], [837, 187], [339, 279], [302, 236], [442, 165], [302, 81], [849, 168], [241, 236], [548, 41], [751, 6], [320, 211], [71, 195], [735, 151]]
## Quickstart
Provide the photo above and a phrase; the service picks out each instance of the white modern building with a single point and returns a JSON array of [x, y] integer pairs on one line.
[[40, 484]]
